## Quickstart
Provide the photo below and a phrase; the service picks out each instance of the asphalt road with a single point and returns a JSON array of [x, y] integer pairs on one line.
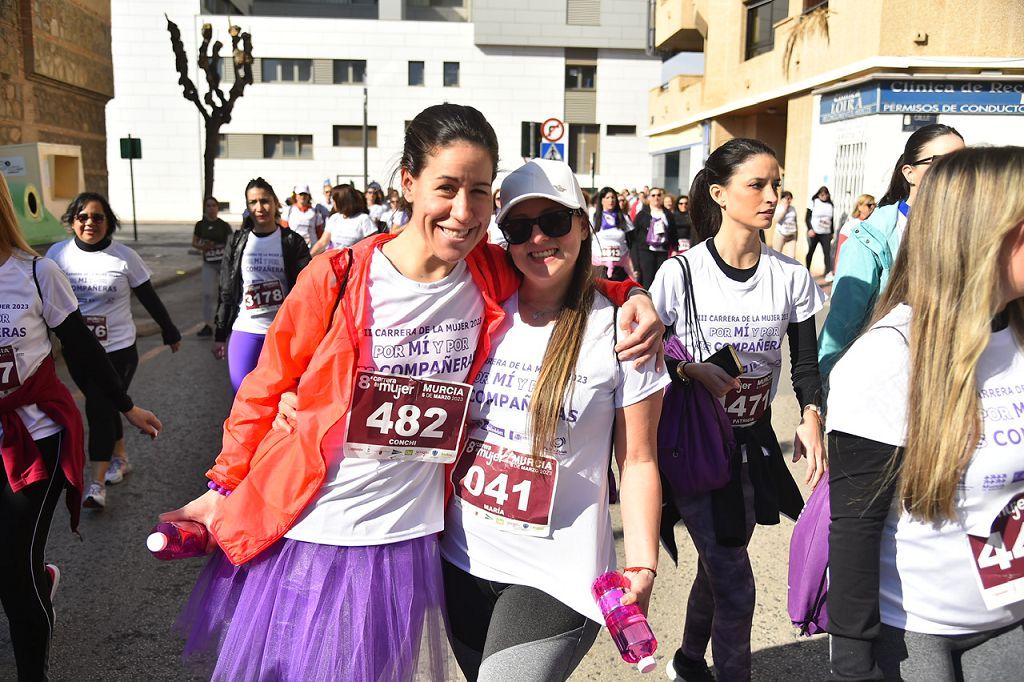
[[117, 604]]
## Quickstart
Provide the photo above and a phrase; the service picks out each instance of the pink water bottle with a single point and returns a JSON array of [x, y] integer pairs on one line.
[[627, 624], [178, 540]]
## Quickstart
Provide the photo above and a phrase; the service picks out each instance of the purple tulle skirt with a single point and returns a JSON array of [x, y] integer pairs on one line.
[[302, 611]]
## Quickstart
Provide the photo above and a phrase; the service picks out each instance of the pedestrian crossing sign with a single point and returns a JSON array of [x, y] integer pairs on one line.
[[552, 150]]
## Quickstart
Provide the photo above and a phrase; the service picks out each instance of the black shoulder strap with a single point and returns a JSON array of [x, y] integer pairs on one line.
[[695, 341], [35, 278]]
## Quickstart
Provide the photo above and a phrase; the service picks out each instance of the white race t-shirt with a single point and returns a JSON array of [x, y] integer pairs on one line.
[[785, 220], [579, 547], [103, 282], [304, 223], [752, 316], [264, 283], [821, 216], [376, 212], [24, 337], [928, 579], [610, 248], [421, 329], [347, 231]]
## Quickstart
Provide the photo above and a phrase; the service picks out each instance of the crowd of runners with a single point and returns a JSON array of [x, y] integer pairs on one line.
[[441, 388]]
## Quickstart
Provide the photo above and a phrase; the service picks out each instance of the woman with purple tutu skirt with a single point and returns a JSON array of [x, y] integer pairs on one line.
[[328, 564]]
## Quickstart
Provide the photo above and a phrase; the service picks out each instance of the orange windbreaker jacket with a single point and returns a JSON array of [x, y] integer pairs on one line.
[[311, 348]]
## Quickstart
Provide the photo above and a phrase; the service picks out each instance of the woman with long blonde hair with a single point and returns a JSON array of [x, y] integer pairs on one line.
[[41, 432], [925, 408]]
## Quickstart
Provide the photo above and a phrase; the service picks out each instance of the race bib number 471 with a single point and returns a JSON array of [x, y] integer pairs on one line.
[[403, 418], [999, 558], [749, 402]]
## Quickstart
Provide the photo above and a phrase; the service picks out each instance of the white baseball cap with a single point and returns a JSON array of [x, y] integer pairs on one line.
[[301, 189], [541, 179]]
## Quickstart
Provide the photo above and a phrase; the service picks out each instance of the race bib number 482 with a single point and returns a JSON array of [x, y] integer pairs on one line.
[[403, 418], [999, 558], [512, 490]]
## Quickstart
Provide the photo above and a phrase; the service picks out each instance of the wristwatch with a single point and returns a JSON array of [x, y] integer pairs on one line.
[[681, 373], [811, 407]]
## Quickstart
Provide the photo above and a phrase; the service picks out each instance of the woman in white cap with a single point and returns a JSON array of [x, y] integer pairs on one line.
[[302, 218], [527, 530]]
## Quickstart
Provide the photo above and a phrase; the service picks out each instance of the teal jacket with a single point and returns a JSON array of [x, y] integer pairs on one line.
[[863, 272]]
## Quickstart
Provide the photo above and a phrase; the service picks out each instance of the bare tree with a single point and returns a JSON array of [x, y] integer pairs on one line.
[[214, 106]]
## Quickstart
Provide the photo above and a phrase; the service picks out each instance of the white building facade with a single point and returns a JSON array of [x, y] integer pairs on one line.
[[580, 61]]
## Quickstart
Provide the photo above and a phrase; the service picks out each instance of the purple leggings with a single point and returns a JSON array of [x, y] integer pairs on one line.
[[243, 352]]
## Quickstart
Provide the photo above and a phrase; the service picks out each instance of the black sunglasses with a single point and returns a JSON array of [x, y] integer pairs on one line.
[[926, 160], [97, 218], [554, 224]]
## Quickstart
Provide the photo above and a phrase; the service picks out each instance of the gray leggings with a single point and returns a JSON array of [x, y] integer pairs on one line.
[[513, 633], [986, 656]]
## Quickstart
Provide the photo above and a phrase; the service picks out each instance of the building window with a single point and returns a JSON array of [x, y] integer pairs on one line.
[[583, 12], [416, 73], [451, 74], [222, 146], [352, 136], [814, 4], [580, 76], [349, 71], [288, 146], [529, 139], [584, 148], [621, 130], [287, 70], [762, 15]]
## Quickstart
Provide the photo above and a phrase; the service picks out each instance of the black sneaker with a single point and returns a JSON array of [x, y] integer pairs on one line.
[[205, 331], [688, 670]]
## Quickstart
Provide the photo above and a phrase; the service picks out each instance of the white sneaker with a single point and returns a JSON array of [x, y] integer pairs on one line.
[[95, 496], [119, 466], [54, 574]]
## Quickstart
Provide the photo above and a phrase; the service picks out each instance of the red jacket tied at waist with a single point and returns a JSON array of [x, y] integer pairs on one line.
[[22, 459]]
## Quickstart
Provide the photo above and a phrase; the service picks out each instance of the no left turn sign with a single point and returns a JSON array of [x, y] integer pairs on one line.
[[552, 130]]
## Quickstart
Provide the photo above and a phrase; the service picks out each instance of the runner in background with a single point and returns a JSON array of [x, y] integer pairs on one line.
[[923, 409], [610, 253], [41, 431], [747, 296], [820, 220], [494, 233], [104, 274], [302, 218], [653, 238], [396, 213], [681, 215], [348, 224], [785, 224], [325, 206], [862, 210], [329, 536], [870, 252], [210, 236], [518, 583], [375, 205], [262, 261]]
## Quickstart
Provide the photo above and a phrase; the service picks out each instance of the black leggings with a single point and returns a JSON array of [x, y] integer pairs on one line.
[[647, 263], [825, 240], [24, 585], [513, 633], [103, 417]]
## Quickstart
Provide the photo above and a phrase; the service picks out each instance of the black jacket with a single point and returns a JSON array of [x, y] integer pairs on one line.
[[637, 239], [296, 256]]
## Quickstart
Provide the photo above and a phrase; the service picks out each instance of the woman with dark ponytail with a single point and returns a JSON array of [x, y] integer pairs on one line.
[[871, 249], [756, 295]]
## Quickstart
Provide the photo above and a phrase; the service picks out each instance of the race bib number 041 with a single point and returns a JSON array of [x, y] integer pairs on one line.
[[9, 378], [512, 490], [263, 295], [406, 419], [749, 403], [999, 558]]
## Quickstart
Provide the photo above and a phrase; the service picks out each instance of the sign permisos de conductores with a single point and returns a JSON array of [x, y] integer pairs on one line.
[[913, 96]]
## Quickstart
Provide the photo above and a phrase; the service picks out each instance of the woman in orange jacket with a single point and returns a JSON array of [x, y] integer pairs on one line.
[[330, 567]]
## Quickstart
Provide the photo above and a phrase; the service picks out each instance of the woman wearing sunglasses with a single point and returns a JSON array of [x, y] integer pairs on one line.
[[527, 529], [862, 210], [104, 274], [870, 251]]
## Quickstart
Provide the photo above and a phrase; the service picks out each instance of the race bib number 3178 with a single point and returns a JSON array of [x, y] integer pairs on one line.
[[403, 418]]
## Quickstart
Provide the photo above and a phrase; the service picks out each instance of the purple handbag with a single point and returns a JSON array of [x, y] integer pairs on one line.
[[808, 563], [695, 436]]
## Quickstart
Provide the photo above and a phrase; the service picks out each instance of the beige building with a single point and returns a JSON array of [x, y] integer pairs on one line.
[[834, 86]]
